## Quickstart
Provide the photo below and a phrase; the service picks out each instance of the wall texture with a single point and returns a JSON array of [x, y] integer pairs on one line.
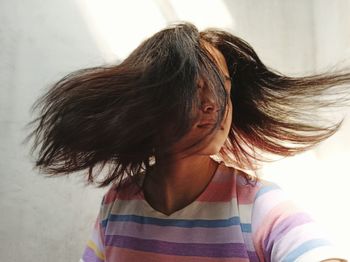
[[46, 219]]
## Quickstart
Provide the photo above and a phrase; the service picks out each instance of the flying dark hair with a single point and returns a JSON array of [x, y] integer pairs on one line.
[[117, 114]]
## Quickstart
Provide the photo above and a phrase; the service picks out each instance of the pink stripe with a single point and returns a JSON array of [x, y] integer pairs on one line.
[[282, 228], [264, 204], [272, 219], [217, 192], [122, 254], [232, 234], [110, 196], [246, 193], [224, 174], [128, 191]]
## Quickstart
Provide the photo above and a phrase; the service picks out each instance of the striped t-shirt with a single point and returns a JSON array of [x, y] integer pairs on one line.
[[231, 220]]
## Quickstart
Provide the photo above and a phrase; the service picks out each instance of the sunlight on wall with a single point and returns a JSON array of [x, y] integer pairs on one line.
[[119, 26], [204, 13]]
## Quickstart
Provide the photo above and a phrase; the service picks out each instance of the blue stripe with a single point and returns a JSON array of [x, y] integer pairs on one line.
[[266, 189], [246, 228], [307, 246], [179, 222]]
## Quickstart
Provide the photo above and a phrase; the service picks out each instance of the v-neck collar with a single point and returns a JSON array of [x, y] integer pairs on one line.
[[151, 210]]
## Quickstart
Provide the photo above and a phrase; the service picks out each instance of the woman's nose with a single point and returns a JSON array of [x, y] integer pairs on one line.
[[209, 107]]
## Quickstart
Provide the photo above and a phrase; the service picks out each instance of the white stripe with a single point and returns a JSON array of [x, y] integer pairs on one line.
[[264, 204], [199, 210], [294, 238], [96, 238], [245, 213], [322, 253]]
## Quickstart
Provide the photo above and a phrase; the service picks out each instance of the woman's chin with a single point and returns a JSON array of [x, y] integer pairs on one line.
[[212, 149]]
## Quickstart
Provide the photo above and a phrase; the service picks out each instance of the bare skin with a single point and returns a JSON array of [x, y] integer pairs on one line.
[[180, 187], [187, 177]]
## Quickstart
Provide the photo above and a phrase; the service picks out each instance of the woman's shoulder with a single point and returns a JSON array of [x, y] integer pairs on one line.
[[248, 186], [127, 189]]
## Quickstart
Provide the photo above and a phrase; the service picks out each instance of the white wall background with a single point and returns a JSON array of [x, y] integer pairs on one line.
[[41, 41]]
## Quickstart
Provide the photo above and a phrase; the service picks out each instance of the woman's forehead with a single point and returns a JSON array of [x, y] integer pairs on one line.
[[219, 59]]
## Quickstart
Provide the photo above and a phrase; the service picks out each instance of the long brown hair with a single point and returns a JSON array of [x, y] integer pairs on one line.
[[114, 114]]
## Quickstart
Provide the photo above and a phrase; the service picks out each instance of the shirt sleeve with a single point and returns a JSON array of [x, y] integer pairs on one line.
[[94, 250], [283, 232]]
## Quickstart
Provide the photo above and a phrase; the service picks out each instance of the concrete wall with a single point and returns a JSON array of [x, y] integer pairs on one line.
[[46, 219], [41, 219]]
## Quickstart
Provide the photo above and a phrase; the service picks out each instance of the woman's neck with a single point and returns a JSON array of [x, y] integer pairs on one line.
[[174, 184]]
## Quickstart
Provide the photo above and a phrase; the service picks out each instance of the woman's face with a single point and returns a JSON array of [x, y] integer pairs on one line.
[[208, 113]]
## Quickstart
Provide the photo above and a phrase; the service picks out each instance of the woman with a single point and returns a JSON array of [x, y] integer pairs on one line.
[[177, 122]]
